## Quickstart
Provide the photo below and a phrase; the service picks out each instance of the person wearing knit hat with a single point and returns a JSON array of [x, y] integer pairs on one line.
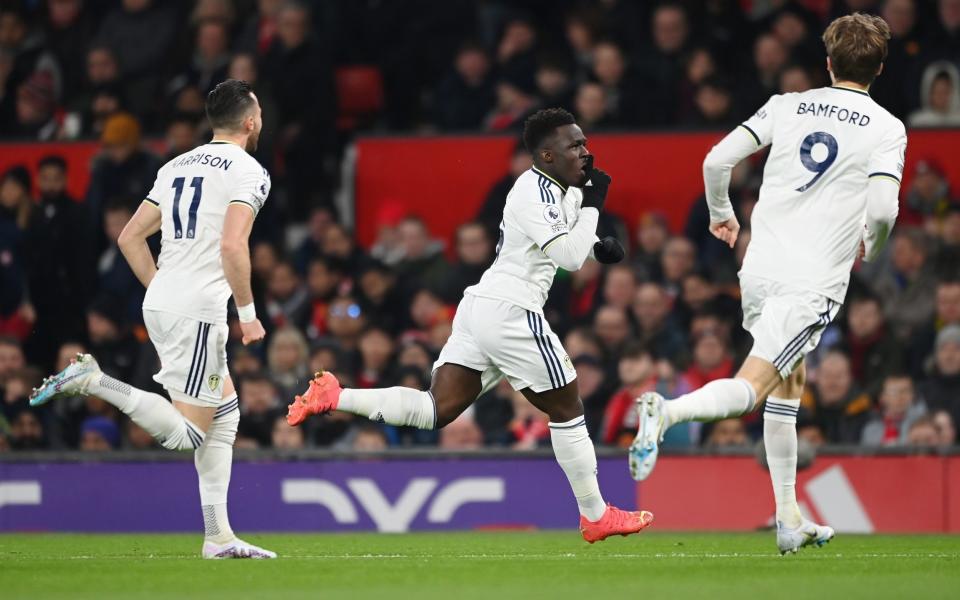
[[121, 135], [99, 433], [948, 335]]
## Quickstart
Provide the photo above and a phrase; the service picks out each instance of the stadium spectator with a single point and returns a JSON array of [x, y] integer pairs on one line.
[[260, 29], [211, 57], [287, 297], [939, 391], [243, 66], [712, 360], [714, 105], [922, 433], [69, 26], [181, 136], [770, 57], [554, 85], [287, 355], [345, 322], [651, 311], [138, 438], [652, 235], [580, 32], [922, 344], [662, 66], [26, 429], [898, 408], [939, 97], [592, 108], [619, 286], [34, 109], [114, 276], [123, 170], [140, 33], [16, 314], [516, 53], [368, 437], [99, 434], [380, 297], [322, 283], [491, 212], [319, 220], [474, 254], [423, 264], [493, 413], [637, 373], [259, 404], [387, 247], [26, 57], [796, 79], [376, 354], [833, 402], [873, 352], [929, 193], [613, 330], [728, 433], [947, 36], [111, 340], [906, 45], [465, 96], [340, 247], [946, 428], [678, 260], [909, 285], [623, 100], [285, 437], [595, 388], [464, 434]]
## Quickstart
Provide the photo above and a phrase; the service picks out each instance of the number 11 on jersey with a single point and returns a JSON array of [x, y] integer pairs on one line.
[[197, 185]]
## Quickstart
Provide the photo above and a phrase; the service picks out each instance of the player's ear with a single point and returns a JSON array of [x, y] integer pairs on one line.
[[546, 155], [880, 70]]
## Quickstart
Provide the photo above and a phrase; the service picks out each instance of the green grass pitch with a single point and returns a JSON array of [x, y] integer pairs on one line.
[[462, 566]]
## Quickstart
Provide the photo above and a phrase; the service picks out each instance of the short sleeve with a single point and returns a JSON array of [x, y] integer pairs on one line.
[[887, 158], [153, 196], [538, 212], [252, 189], [760, 125]]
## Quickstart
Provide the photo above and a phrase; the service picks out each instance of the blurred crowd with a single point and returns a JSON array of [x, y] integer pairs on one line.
[[887, 371]]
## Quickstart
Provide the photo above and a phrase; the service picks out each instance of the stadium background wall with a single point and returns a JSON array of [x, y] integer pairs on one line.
[[444, 179], [419, 491]]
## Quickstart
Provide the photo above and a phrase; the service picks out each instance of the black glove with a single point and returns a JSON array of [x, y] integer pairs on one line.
[[608, 251], [595, 186]]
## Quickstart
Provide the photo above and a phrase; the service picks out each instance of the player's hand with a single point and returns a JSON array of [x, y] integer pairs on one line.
[[595, 187], [253, 332], [608, 251], [726, 231]]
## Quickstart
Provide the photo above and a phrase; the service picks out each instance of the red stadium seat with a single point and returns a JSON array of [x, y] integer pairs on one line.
[[359, 95]]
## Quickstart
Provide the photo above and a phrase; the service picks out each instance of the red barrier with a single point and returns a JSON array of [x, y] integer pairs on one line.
[[883, 494], [445, 179]]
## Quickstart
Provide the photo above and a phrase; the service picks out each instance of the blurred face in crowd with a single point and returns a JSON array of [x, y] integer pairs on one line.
[[579, 34], [462, 434], [728, 432], [101, 66], [345, 319], [714, 102], [946, 429], [634, 370], [181, 137], [948, 302], [651, 306], [769, 55], [114, 221], [473, 246], [896, 397], [212, 40], [473, 65], [518, 37], [376, 347], [652, 235], [12, 193], [591, 104], [947, 358], [834, 379], [12, 30], [709, 352], [287, 352], [323, 359], [285, 437], [293, 26], [92, 441], [51, 181], [698, 292], [257, 396], [63, 13], [669, 29], [244, 68], [864, 319], [414, 238], [907, 257], [321, 280], [551, 80], [579, 343], [11, 360], [678, 260], [284, 282], [950, 228], [900, 15], [608, 64], [795, 80], [790, 29], [928, 184], [950, 14], [376, 284], [30, 110], [812, 435], [139, 438], [426, 309], [415, 355], [611, 326], [67, 353], [700, 65], [369, 440], [923, 434], [26, 431], [589, 379], [337, 242], [620, 286], [101, 329], [941, 91], [520, 162], [263, 259]]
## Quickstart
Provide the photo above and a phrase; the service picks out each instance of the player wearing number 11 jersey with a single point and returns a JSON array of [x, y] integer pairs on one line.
[[830, 188], [203, 203]]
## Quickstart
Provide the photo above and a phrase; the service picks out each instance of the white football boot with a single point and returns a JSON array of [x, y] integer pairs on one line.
[[72, 381], [236, 548], [807, 534], [646, 446]]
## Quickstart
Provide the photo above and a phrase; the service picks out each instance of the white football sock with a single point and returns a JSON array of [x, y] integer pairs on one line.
[[396, 406], [720, 399], [153, 412], [780, 441], [578, 459], [213, 461]]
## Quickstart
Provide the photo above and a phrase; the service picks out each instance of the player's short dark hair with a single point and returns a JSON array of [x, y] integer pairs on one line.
[[541, 125], [53, 160], [229, 103]]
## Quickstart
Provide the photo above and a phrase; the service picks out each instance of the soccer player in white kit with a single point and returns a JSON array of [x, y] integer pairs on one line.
[[549, 221], [829, 192], [203, 202]]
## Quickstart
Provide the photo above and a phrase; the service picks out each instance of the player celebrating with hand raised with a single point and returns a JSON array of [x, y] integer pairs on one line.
[[203, 202], [829, 190], [549, 221]]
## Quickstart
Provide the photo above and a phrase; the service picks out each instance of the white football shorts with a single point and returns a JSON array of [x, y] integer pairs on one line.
[[500, 339], [193, 356], [786, 322]]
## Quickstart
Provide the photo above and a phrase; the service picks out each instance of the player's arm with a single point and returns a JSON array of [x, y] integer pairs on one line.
[[883, 191], [133, 241], [740, 143], [235, 255]]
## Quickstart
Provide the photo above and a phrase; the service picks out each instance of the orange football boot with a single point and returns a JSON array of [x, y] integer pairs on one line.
[[322, 396], [615, 522]]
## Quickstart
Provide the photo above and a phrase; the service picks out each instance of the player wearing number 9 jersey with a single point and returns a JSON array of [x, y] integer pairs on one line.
[[204, 203], [830, 188]]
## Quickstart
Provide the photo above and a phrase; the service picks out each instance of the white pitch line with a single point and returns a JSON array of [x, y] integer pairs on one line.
[[563, 556]]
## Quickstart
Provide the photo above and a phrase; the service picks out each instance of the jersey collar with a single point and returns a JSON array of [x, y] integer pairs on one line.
[[562, 187], [846, 89]]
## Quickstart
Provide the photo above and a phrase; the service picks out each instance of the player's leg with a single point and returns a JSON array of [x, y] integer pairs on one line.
[[458, 378], [780, 443]]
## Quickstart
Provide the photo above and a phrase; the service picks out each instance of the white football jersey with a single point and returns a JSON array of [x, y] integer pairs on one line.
[[809, 222], [192, 192], [537, 213]]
